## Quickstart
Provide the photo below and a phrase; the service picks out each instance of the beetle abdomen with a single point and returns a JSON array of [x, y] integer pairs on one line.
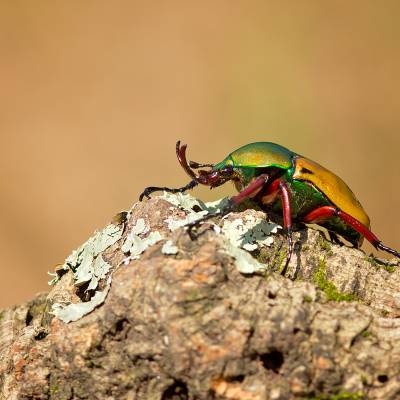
[[334, 188], [306, 198]]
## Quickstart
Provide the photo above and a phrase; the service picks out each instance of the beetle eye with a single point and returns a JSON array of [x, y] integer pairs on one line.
[[227, 170]]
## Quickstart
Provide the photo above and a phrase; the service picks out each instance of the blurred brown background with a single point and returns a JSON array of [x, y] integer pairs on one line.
[[94, 95]]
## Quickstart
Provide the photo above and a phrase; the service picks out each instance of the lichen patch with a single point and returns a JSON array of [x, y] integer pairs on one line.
[[88, 268]]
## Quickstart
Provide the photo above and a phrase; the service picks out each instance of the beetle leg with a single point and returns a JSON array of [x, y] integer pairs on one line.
[[334, 237], [251, 190], [329, 211], [147, 191], [279, 186], [287, 220]]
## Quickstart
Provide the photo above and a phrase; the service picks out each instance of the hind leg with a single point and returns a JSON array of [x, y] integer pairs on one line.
[[326, 212]]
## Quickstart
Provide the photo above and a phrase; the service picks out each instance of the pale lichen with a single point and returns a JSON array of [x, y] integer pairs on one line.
[[174, 224], [240, 235], [73, 312], [169, 248], [136, 243], [245, 262], [195, 209], [250, 232], [88, 268], [81, 260]]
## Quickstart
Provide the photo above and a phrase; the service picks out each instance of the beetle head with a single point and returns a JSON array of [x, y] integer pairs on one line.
[[212, 177]]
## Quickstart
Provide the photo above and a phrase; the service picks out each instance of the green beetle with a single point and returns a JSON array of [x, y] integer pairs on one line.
[[285, 182]]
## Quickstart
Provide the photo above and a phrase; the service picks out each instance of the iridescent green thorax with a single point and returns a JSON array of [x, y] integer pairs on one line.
[[259, 155]]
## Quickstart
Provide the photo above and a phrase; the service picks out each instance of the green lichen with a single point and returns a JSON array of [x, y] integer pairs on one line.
[[339, 396], [53, 389], [36, 309], [194, 295], [196, 302], [325, 245], [308, 299], [329, 288], [389, 268], [366, 334], [282, 259], [381, 264], [274, 260], [364, 380]]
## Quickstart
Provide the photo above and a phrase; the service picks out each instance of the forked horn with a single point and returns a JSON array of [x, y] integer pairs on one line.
[[181, 154], [204, 177]]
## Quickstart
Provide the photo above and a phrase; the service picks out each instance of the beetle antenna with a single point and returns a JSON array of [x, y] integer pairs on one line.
[[195, 165]]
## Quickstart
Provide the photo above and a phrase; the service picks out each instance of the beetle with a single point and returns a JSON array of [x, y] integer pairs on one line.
[[285, 182]]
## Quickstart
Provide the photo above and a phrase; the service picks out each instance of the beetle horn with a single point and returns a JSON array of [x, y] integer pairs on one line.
[[203, 177], [181, 154]]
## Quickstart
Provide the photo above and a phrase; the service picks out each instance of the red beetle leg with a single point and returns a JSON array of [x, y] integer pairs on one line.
[[251, 190], [287, 217], [279, 186], [326, 212]]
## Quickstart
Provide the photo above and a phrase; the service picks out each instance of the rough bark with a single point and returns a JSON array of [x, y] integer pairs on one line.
[[191, 326]]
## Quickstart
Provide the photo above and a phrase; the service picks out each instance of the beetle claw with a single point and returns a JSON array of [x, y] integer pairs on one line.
[[192, 229], [146, 193], [192, 235]]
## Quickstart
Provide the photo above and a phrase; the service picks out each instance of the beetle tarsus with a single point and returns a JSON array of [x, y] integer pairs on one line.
[[381, 246], [335, 238], [192, 235], [192, 229], [219, 213], [149, 190], [146, 193], [290, 250]]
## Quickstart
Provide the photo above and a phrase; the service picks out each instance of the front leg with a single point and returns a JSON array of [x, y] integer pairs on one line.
[[252, 189], [147, 191]]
